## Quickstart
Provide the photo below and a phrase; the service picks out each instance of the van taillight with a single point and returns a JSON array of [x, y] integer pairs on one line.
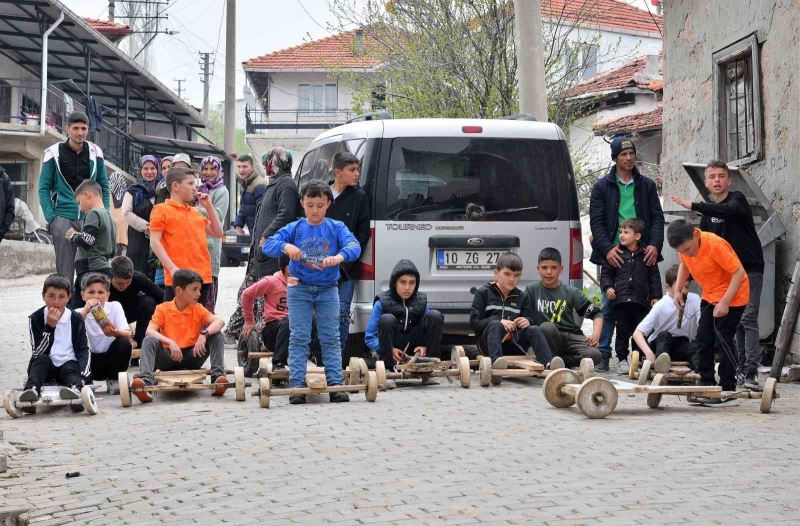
[[575, 254], [366, 264], [472, 129]]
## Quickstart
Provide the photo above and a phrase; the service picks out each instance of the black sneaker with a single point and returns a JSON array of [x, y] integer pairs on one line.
[[339, 397], [29, 395], [751, 382], [297, 399], [602, 367]]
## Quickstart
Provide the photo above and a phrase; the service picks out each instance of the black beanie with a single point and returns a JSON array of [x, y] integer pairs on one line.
[[619, 144]]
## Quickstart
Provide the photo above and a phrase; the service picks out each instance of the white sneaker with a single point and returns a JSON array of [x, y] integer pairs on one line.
[[112, 387], [623, 367]]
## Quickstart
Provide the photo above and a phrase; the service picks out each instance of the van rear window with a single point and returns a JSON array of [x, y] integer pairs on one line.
[[478, 179]]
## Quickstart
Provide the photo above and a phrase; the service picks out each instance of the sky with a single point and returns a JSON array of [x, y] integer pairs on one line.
[[262, 26]]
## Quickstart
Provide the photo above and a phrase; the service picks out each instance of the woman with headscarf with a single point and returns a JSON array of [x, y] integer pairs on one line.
[[279, 207], [136, 207], [213, 184], [166, 164]]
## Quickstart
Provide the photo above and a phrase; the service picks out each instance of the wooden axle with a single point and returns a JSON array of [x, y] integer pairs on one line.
[[310, 390]]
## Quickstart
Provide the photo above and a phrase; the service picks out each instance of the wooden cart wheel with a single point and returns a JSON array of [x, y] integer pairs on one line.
[[553, 384], [587, 368], [263, 392], [485, 369], [363, 369], [634, 368], [372, 386], [354, 378], [10, 404], [458, 352], [644, 373], [238, 375], [88, 399], [464, 372], [380, 373], [768, 395], [655, 398], [124, 389], [596, 397], [264, 367], [500, 363]]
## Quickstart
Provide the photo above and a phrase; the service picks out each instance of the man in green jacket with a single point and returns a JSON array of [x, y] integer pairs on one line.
[[66, 165]]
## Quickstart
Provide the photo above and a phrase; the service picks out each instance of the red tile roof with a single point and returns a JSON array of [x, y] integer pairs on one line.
[[108, 28], [332, 52], [637, 122], [629, 75], [604, 13]]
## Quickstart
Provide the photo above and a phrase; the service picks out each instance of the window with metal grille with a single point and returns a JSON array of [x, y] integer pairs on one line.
[[737, 92]]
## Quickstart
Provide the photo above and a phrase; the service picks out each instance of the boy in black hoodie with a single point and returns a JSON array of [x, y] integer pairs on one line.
[[350, 206], [632, 288], [502, 315], [401, 323], [58, 340]]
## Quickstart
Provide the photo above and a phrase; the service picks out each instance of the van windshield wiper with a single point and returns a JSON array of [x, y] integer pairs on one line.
[[474, 214]]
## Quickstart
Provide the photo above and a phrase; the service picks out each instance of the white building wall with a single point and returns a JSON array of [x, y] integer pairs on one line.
[[284, 89]]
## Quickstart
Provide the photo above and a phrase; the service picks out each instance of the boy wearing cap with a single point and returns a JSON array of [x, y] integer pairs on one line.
[[624, 193]]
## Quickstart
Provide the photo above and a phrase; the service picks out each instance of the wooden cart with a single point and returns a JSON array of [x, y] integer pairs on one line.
[[597, 397], [678, 372], [191, 380], [49, 398], [357, 378], [249, 351], [422, 370], [520, 367]]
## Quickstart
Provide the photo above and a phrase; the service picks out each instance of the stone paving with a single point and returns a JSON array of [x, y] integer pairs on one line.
[[432, 455]]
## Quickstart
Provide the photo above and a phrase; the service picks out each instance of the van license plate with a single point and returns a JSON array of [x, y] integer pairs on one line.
[[466, 259]]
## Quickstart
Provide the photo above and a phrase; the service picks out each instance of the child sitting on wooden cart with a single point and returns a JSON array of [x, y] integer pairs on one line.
[[181, 335]]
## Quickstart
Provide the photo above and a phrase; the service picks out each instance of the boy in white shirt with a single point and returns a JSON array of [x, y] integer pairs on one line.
[[109, 336], [660, 329]]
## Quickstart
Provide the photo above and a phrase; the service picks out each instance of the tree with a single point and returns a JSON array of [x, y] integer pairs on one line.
[[216, 132]]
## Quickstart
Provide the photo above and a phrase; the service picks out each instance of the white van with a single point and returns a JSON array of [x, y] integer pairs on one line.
[[451, 195]]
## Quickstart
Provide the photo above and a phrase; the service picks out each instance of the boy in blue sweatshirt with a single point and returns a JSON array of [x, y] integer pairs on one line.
[[317, 246]]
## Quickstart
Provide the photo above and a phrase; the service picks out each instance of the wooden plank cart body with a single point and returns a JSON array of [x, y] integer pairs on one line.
[[597, 397], [679, 372], [357, 379], [422, 370], [188, 380], [49, 397], [520, 367], [249, 352]]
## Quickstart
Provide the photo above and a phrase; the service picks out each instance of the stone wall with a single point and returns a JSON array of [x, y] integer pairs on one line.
[[693, 31], [20, 258]]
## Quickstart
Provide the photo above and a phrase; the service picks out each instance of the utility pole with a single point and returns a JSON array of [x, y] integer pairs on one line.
[[230, 95], [205, 73], [530, 58], [180, 87], [111, 11]]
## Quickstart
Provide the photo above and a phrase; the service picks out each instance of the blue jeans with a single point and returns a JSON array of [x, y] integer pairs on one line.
[[346, 289], [305, 301], [608, 328]]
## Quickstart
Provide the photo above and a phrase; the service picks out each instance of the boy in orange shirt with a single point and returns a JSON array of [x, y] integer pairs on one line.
[[181, 335], [726, 290], [178, 232]]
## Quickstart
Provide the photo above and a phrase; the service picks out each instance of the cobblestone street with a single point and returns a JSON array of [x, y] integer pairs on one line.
[[432, 455]]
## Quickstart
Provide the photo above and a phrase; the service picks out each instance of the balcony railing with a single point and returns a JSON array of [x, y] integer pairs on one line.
[[318, 119]]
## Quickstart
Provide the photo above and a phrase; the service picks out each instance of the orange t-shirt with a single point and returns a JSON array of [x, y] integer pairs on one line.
[[182, 326], [712, 268], [183, 234]]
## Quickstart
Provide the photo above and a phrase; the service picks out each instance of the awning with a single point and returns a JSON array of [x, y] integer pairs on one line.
[[161, 146]]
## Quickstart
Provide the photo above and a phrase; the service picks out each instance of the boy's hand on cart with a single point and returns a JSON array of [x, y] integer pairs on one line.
[[421, 351], [399, 355]]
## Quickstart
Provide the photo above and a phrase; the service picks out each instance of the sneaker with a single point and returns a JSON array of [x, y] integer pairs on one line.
[[623, 367], [298, 399], [69, 393], [29, 395], [500, 363], [221, 384], [339, 397], [663, 363], [603, 366], [112, 387], [751, 382], [143, 396], [712, 401], [556, 363]]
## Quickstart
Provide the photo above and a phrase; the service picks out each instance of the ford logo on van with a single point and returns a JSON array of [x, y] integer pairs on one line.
[[475, 241]]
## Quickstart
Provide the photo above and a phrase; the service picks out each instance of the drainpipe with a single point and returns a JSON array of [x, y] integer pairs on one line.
[[43, 100]]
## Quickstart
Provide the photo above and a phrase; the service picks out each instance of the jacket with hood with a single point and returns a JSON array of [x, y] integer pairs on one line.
[[252, 194], [6, 204], [56, 196], [604, 213], [489, 304], [273, 290], [634, 282], [351, 207], [42, 338], [279, 207], [408, 312]]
